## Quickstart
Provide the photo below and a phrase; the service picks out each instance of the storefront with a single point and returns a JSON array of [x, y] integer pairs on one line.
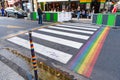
[[58, 5]]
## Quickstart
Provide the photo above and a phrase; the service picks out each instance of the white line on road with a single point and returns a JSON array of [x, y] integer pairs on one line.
[[58, 40], [83, 25], [46, 51], [78, 27], [66, 34], [74, 30]]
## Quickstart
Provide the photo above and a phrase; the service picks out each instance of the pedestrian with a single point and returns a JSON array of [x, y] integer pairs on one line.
[[114, 10], [83, 13], [78, 13], [2, 10], [39, 15]]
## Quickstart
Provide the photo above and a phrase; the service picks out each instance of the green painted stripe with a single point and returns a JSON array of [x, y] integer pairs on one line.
[[86, 52]]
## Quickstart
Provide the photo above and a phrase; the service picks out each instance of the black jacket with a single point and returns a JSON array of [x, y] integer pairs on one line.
[[39, 11]]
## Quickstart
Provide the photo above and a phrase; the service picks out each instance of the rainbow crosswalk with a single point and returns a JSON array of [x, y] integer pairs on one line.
[[61, 44], [85, 60]]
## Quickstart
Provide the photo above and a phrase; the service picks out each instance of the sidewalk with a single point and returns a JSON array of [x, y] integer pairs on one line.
[[13, 67]]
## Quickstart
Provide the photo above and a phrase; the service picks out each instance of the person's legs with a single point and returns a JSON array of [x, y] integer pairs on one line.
[[2, 14], [78, 15], [40, 19]]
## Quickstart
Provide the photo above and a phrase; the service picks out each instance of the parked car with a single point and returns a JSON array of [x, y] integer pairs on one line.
[[15, 12]]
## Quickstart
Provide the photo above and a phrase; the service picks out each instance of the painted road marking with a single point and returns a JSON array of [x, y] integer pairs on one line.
[[75, 30], [85, 60], [46, 51], [58, 40], [68, 39], [94, 29], [12, 26], [84, 37], [83, 25]]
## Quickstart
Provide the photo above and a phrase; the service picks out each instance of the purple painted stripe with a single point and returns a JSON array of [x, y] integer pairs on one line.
[[73, 62], [85, 52]]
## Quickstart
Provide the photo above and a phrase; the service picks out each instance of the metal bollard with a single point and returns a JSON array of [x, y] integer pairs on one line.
[[34, 61]]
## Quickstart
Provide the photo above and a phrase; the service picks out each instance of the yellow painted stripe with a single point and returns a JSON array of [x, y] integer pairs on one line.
[[34, 65], [31, 42], [35, 68], [98, 45], [33, 57], [89, 56], [34, 60]]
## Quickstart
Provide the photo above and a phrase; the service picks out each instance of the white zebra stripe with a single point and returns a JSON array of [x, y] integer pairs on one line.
[[78, 27], [74, 30], [46, 51], [83, 25], [66, 34], [66, 42]]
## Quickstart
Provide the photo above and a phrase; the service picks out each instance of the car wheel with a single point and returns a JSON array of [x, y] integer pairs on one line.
[[7, 14], [16, 15]]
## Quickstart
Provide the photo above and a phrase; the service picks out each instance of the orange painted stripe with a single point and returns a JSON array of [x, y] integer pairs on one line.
[[89, 57], [34, 61], [97, 48], [31, 42], [32, 47], [35, 68], [97, 52], [34, 65], [33, 57]]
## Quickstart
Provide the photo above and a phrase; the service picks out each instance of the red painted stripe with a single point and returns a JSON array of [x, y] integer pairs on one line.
[[92, 58], [97, 53], [97, 48], [93, 61]]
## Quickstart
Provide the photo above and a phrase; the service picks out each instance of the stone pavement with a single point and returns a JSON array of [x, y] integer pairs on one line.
[[13, 67]]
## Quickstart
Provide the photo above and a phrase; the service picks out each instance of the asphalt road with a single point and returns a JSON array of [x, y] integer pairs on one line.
[[107, 66], [9, 25]]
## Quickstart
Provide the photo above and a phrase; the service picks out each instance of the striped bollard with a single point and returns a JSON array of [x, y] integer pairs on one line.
[[34, 61]]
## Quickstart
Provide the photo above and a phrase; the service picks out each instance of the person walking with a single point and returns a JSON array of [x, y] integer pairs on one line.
[[39, 11], [78, 13], [2, 10]]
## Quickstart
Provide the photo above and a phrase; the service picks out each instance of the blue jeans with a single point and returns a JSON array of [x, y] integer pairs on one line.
[[39, 19], [78, 15], [2, 14]]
